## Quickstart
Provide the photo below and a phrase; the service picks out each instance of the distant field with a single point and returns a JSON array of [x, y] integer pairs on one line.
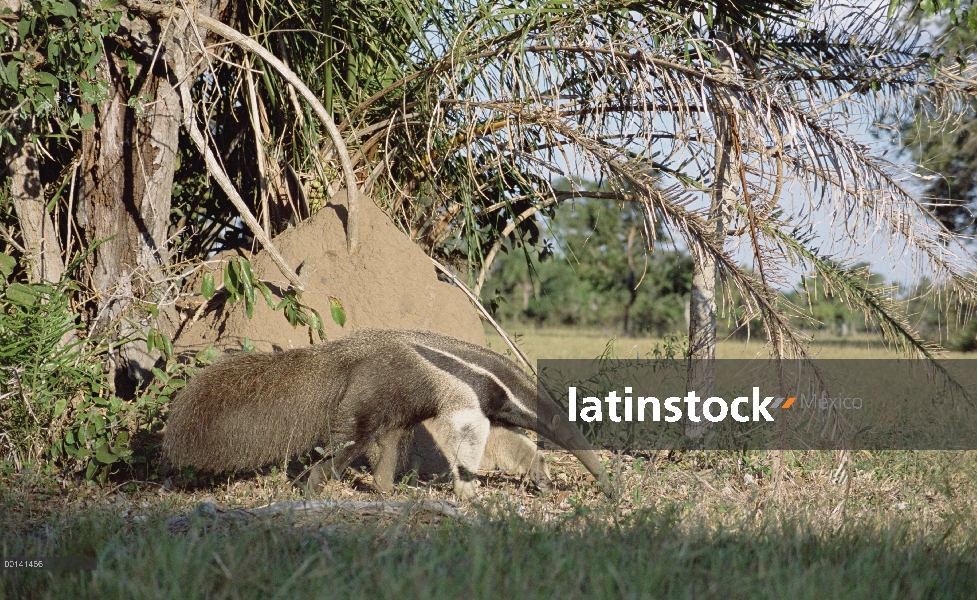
[[567, 342]]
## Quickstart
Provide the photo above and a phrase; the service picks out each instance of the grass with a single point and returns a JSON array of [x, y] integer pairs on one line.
[[649, 554], [681, 525], [690, 526], [570, 342]]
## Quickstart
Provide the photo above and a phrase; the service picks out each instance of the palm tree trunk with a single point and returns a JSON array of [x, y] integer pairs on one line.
[[701, 374]]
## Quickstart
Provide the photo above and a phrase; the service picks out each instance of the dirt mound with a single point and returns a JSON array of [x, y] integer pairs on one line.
[[387, 282]]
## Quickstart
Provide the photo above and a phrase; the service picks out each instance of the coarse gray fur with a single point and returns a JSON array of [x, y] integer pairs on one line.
[[251, 409]]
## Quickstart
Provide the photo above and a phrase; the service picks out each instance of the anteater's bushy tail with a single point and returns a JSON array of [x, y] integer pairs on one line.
[[251, 409]]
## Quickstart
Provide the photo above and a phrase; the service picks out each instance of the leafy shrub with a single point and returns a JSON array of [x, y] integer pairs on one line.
[[56, 408]]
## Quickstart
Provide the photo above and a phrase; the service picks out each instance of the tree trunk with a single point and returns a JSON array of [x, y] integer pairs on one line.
[[701, 375], [630, 281], [126, 180], [126, 184], [42, 248]]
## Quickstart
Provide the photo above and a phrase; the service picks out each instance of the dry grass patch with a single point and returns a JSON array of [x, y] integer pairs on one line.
[[572, 342]]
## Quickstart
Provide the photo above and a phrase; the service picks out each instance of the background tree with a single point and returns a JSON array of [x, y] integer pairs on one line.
[[946, 148], [601, 272]]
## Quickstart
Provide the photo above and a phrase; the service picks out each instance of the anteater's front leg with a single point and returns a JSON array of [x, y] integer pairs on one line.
[[462, 435]]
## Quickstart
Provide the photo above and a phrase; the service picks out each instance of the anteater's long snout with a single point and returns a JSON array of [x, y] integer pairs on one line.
[[556, 426]]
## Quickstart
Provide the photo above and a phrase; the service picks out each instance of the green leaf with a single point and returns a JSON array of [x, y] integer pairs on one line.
[[207, 355], [150, 341], [12, 79], [90, 471], [64, 9], [247, 346], [107, 4], [338, 314], [21, 294], [167, 346], [207, 286], [247, 286], [266, 293], [46, 78], [59, 407], [231, 280], [248, 274], [47, 92], [316, 324], [87, 120], [104, 455], [7, 264]]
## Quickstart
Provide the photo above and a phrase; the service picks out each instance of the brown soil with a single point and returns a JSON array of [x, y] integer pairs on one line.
[[387, 282]]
